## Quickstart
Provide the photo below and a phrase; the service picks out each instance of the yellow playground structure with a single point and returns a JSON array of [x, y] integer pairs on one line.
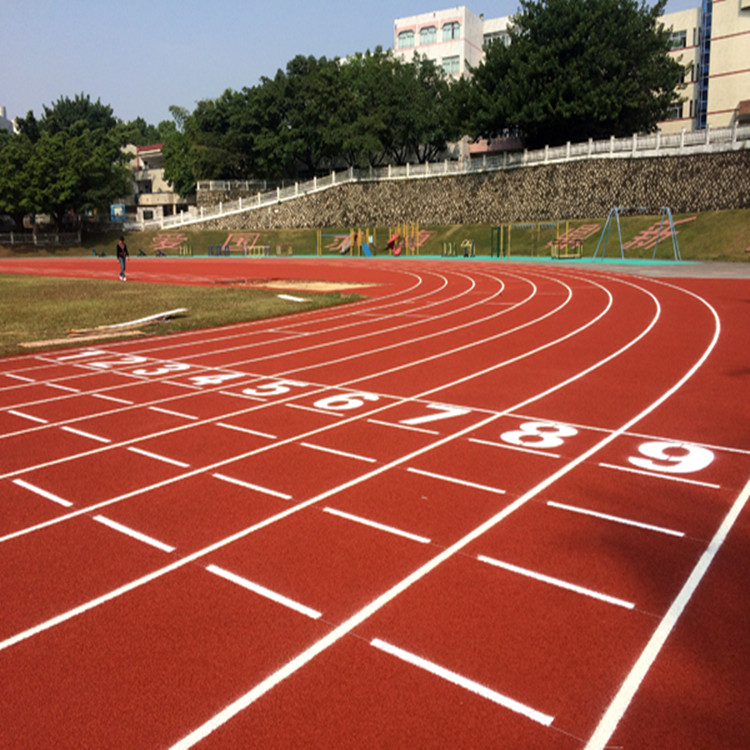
[[564, 245]]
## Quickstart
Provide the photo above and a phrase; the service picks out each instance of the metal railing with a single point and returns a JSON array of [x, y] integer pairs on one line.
[[636, 146]]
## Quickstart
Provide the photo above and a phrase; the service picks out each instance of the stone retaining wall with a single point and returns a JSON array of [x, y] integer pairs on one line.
[[586, 189]]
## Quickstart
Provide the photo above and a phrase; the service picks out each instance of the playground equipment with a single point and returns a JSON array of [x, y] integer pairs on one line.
[[500, 236], [566, 246], [358, 242], [664, 213], [404, 238], [449, 248], [181, 250]]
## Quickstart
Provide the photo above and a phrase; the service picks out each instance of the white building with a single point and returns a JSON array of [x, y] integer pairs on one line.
[[453, 38], [712, 41], [5, 123], [153, 197]]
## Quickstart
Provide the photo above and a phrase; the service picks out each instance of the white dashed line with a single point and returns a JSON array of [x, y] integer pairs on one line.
[[249, 486], [158, 457], [616, 519], [455, 480], [464, 682], [376, 525], [42, 493], [264, 592], [557, 582], [134, 534]]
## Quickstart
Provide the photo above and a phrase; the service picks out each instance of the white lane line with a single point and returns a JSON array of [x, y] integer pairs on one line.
[[104, 397], [27, 416], [493, 444], [264, 592], [335, 452], [556, 582], [19, 377], [172, 413], [455, 480], [134, 534], [243, 396], [464, 682], [42, 493], [158, 457], [656, 475], [376, 525], [249, 486], [616, 519], [246, 430], [89, 435], [403, 427], [611, 718], [63, 387], [317, 411]]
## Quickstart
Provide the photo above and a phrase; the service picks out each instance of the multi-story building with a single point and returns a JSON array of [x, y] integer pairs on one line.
[[711, 41], [153, 197]]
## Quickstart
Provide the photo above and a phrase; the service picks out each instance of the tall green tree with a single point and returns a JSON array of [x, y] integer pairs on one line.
[[576, 69], [74, 162], [15, 155]]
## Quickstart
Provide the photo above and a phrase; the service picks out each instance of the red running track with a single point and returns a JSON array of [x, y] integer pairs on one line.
[[492, 505]]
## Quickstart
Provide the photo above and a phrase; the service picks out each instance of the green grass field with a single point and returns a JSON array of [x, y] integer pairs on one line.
[[41, 309], [712, 235]]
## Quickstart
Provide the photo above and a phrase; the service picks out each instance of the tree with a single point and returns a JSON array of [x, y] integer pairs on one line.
[[15, 152], [74, 162], [576, 69], [176, 151]]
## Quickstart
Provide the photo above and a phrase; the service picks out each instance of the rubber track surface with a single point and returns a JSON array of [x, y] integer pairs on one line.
[[489, 506]]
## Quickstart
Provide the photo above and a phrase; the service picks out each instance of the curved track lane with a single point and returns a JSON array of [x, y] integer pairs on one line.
[[473, 510]]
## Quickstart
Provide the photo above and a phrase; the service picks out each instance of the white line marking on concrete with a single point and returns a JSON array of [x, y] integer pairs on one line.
[[455, 480], [42, 493], [616, 519], [89, 435], [158, 457], [556, 582], [249, 486], [376, 525], [616, 710], [172, 413], [27, 416], [264, 592], [464, 682], [246, 430], [145, 538], [335, 452], [656, 475]]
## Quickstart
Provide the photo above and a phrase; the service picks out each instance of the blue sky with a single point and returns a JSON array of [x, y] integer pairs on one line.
[[141, 56]]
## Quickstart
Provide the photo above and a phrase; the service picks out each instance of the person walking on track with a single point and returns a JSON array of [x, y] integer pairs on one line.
[[122, 253]]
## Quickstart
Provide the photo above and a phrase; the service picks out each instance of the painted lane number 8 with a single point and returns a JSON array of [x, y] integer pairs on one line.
[[542, 435]]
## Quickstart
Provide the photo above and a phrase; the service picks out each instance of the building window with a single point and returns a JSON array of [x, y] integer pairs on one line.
[[675, 112], [405, 39], [428, 35], [451, 31], [496, 36], [451, 65], [678, 39]]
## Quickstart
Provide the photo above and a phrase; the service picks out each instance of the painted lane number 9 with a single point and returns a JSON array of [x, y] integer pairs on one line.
[[671, 458]]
